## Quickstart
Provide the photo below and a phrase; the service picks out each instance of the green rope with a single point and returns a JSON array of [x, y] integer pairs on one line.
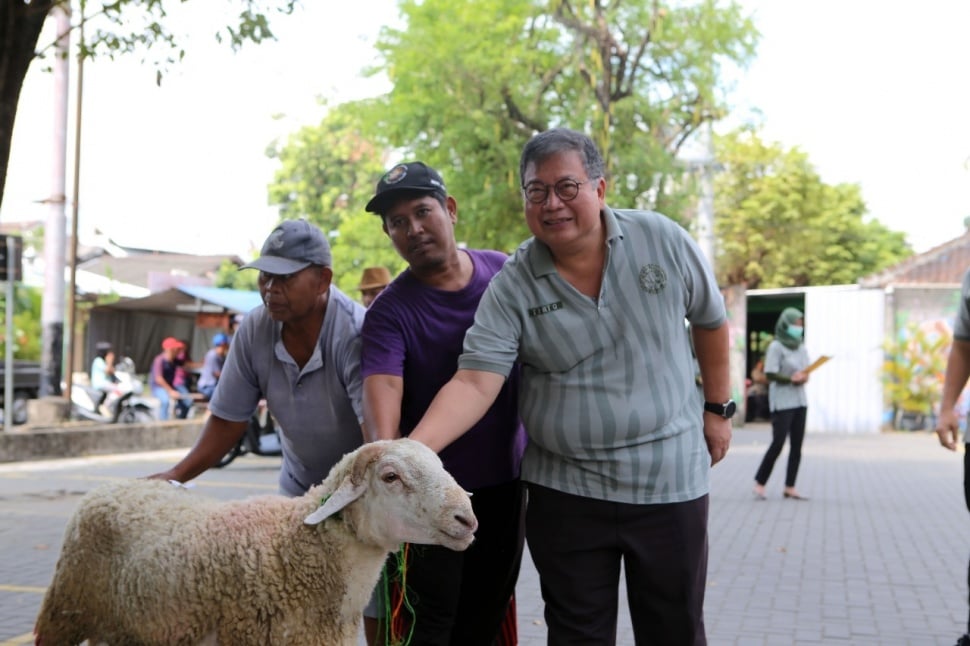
[[390, 636]]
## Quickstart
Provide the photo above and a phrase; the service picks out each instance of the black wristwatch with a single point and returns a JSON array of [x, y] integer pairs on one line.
[[725, 410]]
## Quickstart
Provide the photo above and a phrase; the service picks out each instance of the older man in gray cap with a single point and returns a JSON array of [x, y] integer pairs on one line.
[[300, 350]]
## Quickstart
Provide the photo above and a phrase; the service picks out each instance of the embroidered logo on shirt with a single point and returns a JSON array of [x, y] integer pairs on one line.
[[652, 278], [545, 309]]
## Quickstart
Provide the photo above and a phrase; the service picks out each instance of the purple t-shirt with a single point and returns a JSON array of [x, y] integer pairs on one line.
[[416, 332]]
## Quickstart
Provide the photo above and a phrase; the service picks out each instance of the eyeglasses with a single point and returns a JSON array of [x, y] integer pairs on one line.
[[566, 190]]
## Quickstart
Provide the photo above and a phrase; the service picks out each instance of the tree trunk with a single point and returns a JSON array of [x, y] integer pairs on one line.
[[20, 26]]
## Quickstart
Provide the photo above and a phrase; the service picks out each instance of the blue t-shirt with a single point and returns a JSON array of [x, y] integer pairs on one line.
[[415, 332], [212, 365]]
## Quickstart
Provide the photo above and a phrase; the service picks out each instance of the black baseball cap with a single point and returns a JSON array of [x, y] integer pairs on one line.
[[413, 176]]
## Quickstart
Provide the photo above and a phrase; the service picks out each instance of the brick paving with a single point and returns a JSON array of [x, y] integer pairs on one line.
[[878, 555]]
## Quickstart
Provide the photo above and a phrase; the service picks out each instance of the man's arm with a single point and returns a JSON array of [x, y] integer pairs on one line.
[[382, 407], [957, 373], [218, 436], [457, 407], [711, 349]]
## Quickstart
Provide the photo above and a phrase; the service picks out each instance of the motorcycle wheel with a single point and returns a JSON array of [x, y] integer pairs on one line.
[[230, 455], [136, 416]]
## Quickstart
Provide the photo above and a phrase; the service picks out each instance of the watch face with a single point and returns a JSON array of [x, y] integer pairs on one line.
[[730, 408]]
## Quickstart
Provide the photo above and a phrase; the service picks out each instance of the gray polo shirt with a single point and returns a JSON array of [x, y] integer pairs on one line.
[[318, 407], [961, 326], [608, 394], [785, 361]]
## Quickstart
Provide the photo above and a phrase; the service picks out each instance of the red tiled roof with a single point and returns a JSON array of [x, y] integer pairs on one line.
[[941, 265]]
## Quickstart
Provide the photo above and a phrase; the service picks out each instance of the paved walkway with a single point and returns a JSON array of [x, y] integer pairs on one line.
[[877, 556]]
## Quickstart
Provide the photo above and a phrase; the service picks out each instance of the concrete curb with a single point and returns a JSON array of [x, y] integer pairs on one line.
[[82, 438]]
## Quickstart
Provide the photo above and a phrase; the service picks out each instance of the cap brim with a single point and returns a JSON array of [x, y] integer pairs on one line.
[[380, 203], [277, 265]]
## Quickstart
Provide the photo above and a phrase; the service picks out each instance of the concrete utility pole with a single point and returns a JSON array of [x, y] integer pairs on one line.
[[52, 304], [705, 212]]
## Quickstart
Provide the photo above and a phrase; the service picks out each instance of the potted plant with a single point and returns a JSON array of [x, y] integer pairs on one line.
[[913, 372]]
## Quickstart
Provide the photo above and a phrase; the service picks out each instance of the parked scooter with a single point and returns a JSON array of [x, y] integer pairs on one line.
[[123, 404], [262, 437]]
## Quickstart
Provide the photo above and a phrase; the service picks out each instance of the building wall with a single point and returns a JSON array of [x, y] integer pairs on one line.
[[845, 394], [851, 324]]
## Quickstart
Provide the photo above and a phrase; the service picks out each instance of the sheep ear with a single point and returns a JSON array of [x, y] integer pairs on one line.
[[343, 496]]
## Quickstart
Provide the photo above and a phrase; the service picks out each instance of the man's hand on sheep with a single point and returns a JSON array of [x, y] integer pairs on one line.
[[146, 562]]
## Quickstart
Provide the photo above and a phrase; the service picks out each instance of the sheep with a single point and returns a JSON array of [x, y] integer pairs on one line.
[[144, 562]]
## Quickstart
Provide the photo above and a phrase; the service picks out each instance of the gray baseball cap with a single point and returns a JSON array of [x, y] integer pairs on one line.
[[292, 246]]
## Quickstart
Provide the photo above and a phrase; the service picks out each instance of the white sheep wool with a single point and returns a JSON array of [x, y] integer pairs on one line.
[[264, 570]]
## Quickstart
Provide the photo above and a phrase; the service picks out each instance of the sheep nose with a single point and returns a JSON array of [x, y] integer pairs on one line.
[[468, 521]]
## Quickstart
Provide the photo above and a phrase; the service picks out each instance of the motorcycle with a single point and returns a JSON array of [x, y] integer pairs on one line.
[[123, 404], [262, 437]]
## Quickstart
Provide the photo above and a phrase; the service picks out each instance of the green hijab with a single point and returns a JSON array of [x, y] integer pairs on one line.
[[788, 318]]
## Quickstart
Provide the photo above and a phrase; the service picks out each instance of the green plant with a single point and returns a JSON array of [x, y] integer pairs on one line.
[[914, 366], [26, 324]]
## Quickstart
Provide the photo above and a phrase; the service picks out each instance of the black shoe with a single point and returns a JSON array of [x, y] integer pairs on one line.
[[963, 641]]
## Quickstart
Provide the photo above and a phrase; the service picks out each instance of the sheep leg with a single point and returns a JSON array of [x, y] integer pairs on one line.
[[56, 627]]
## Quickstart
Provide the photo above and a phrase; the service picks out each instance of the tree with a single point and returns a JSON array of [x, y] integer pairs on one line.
[[779, 225], [327, 174], [118, 27], [473, 81], [229, 276]]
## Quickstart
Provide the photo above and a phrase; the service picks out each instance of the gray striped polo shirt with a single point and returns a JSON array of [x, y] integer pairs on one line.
[[785, 362], [608, 395], [961, 326]]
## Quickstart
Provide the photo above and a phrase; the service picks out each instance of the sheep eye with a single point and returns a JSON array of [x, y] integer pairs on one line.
[[390, 477]]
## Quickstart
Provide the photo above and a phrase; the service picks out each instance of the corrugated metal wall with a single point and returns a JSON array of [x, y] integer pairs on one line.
[[846, 323]]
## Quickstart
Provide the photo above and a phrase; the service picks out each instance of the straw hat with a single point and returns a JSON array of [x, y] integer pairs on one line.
[[374, 277]]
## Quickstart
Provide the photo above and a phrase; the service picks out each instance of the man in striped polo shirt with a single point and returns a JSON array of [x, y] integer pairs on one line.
[[620, 444]]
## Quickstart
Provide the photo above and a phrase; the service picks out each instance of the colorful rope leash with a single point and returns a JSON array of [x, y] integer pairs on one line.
[[399, 615]]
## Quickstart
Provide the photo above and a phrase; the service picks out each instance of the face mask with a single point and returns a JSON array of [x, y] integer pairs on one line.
[[795, 331]]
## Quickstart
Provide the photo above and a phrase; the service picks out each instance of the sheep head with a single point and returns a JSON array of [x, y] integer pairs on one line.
[[397, 491]]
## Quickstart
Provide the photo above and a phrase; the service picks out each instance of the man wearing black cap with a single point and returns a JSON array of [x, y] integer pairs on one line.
[[412, 339], [300, 350]]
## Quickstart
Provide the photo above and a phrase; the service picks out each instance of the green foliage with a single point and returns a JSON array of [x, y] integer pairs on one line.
[[26, 323], [473, 81], [327, 174], [230, 276], [779, 225], [328, 171], [914, 367], [362, 243], [127, 26]]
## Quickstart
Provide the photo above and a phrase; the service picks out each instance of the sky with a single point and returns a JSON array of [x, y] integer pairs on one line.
[[874, 93]]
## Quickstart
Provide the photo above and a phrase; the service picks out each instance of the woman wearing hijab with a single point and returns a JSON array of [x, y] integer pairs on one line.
[[785, 363]]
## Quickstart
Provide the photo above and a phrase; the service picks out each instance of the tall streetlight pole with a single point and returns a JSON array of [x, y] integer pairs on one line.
[[705, 212]]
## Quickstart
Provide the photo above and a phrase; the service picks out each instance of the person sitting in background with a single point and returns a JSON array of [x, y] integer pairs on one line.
[[162, 380], [212, 364], [103, 367], [372, 282], [757, 405]]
